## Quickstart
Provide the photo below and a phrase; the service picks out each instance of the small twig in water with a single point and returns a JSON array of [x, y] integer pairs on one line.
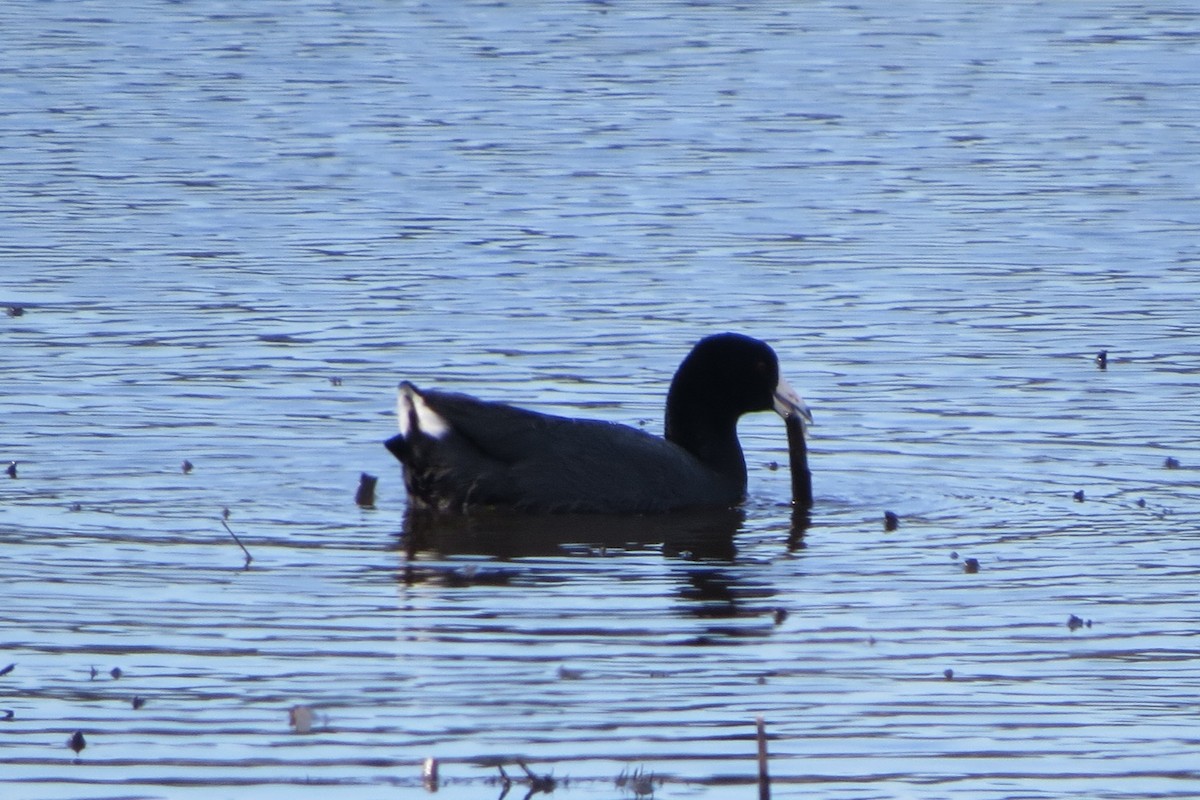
[[640, 782], [225, 516], [764, 780], [537, 783], [505, 782]]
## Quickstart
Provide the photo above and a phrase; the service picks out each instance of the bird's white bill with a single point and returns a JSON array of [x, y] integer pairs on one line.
[[789, 404]]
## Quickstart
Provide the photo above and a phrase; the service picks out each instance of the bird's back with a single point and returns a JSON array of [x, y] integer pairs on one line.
[[460, 453]]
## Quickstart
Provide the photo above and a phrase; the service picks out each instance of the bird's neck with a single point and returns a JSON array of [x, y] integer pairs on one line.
[[711, 439]]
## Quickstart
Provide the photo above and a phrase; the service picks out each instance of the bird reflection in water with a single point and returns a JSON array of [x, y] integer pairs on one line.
[[705, 534], [701, 546]]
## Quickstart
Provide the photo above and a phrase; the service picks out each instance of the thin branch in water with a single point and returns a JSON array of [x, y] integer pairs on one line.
[[538, 784], [505, 782], [764, 780], [224, 516]]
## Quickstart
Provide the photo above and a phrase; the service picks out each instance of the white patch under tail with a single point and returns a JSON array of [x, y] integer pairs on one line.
[[415, 416]]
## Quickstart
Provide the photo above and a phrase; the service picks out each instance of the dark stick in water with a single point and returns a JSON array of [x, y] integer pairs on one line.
[[764, 779], [239, 541], [802, 496]]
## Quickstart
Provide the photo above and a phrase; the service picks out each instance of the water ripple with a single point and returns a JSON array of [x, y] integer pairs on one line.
[[229, 233]]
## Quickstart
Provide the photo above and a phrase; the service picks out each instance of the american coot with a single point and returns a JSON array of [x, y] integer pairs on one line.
[[461, 454]]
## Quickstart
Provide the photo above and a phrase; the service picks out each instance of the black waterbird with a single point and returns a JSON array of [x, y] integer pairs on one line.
[[462, 454]]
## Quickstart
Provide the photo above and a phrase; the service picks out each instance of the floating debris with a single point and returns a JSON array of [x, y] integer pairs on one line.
[[890, 521], [565, 673], [1102, 359], [8, 669], [365, 496], [970, 565], [640, 782], [642, 785], [77, 742], [429, 774], [543, 784], [15, 311], [301, 719]]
